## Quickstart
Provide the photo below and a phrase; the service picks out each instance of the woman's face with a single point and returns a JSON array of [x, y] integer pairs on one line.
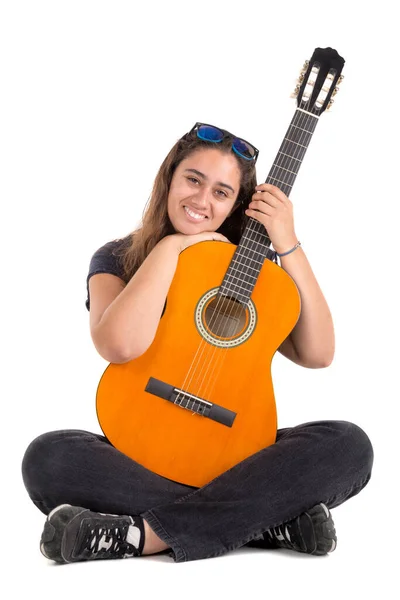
[[207, 183]]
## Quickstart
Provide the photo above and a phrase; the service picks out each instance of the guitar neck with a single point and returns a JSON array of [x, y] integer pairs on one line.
[[292, 150], [254, 244], [315, 90]]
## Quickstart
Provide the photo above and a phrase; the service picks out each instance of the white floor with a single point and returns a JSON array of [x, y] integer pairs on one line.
[[363, 565]]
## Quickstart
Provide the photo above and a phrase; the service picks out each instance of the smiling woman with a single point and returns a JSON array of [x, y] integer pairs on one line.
[[102, 503]]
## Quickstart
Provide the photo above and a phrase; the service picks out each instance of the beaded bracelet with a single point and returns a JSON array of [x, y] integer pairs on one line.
[[289, 251]]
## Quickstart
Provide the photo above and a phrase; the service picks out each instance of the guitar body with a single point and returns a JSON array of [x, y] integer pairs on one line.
[[217, 351]]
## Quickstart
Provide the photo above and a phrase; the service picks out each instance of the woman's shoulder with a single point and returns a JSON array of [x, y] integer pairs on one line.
[[107, 259]]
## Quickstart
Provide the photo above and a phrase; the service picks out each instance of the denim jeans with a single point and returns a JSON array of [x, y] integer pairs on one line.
[[320, 461]]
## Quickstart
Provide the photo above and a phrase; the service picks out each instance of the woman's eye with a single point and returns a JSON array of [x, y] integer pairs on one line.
[[196, 180]]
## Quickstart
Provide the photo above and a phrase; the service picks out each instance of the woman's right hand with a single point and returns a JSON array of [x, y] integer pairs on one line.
[[183, 241]]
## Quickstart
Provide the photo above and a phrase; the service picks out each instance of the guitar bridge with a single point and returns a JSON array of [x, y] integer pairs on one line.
[[195, 404]]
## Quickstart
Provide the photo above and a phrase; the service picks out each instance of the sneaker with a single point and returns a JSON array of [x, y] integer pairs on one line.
[[312, 532], [73, 533]]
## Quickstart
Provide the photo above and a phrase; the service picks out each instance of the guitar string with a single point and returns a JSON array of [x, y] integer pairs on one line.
[[303, 120], [300, 121], [221, 356]]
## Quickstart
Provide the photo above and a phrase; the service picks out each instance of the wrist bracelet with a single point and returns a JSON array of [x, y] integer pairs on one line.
[[289, 251]]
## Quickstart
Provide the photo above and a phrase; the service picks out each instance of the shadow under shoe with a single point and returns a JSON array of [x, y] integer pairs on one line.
[[312, 532], [74, 533]]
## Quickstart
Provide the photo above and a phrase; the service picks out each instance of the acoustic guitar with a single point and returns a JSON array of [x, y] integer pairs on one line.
[[201, 398]]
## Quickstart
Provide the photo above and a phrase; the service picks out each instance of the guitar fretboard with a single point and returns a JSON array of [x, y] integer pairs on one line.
[[291, 153], [253, 248]]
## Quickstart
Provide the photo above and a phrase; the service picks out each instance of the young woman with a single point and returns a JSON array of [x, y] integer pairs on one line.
[[102, 504]]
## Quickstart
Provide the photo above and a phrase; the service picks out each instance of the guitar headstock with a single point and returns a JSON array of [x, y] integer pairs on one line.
[[318, 81]]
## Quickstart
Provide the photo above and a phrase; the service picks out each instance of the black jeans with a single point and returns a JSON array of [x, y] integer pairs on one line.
[[321, 461]]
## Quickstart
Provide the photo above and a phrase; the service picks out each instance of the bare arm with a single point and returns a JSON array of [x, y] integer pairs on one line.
[[132, 318], [312, 341]]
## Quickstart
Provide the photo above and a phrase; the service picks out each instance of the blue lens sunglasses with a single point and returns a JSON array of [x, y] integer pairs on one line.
[[209, 133]]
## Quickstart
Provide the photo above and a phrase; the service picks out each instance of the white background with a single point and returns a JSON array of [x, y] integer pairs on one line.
[[93, 96]]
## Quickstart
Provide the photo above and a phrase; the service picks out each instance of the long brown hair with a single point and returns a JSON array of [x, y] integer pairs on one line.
[[156, 223]]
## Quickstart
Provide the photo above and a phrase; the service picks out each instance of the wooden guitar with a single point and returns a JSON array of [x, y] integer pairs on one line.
[[201, 398]]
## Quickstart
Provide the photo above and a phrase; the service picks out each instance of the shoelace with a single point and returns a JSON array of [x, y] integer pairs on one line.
[[280, 534], [108, 540]]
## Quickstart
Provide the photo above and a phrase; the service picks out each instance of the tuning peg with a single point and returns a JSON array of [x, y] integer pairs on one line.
[[330, 104], [335, 91], [305, 66], [295, 92], [341, 77]]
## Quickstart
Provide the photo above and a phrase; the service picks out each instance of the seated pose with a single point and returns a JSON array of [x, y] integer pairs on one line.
[[102, 504]]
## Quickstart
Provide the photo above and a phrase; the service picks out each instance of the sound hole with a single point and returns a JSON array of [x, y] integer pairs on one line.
[[225, 317]]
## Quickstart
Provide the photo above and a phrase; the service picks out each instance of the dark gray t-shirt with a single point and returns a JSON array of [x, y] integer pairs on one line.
[[104, 261]]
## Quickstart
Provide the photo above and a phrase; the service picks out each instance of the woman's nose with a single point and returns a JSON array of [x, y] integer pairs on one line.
[[202, 196]]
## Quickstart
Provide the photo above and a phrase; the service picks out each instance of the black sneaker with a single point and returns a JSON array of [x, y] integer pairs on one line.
[[73, 533], [312, 532]]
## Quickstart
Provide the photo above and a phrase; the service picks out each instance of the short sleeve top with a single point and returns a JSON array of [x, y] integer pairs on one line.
[[105, 261]]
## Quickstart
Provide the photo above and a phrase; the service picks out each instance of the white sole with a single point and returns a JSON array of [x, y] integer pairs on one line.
[[51, 513], [327, 512], [57, 508], [325, 509]]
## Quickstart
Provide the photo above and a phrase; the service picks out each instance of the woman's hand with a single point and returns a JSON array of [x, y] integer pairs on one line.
[[274, 210], [183, 240]]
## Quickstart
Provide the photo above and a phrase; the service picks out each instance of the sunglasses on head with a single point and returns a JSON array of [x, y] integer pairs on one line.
[[209, 133]]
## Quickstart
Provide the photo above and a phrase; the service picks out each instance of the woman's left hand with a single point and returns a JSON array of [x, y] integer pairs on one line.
[[274, 210]]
